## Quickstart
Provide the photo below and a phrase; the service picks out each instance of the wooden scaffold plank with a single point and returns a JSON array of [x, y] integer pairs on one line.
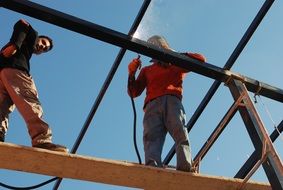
[[121, 173]]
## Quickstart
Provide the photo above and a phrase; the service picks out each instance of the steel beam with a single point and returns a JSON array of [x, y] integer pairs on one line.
[[125, 41], [271, 161], [255, 156], [216, 133]]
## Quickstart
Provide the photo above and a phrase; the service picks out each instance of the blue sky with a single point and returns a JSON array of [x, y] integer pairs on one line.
[[70, 77]]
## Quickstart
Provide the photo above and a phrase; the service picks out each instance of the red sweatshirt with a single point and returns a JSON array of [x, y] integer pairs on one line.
[[158, 81]]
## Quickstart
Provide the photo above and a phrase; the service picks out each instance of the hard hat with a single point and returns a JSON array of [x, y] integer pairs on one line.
[[159, 41]]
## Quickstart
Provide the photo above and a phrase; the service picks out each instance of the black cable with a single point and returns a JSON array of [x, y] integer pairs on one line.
[[30, 187], [135, 125]]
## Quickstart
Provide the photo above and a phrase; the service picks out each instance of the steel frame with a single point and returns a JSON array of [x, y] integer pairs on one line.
[[270, 159], [238, 85], [128, 42], [255, 156], [230, 62], [216, 133]]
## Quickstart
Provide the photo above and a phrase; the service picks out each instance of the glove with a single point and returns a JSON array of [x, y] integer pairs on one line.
[[133, 66], [197, 56], [9, 50]]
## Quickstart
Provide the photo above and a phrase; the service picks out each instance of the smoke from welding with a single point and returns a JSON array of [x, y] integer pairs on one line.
[[150, 24]]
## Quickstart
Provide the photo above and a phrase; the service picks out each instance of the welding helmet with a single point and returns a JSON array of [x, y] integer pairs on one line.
[[159, 41]]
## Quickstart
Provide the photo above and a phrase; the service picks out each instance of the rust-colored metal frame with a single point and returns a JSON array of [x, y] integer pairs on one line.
[[237, 83], [265, 150]]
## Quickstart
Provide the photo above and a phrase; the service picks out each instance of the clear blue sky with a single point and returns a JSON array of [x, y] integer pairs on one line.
[[70, 77]]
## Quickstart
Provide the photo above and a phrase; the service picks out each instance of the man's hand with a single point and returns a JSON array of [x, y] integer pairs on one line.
[[9, 50], [133, 66], [24, 22], [197, 56]]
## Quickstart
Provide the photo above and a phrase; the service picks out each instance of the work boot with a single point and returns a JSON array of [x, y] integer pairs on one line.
[[2, 137], [152, 162], [53, 147]]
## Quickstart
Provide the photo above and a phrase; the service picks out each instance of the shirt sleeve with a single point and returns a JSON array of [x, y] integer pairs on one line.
[[197, 56], [137, 86], [21, 29]]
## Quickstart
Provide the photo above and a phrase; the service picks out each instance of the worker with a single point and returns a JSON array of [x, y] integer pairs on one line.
[[163, 109], [17, 87]]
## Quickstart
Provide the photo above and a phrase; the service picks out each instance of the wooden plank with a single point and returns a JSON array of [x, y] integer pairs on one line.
[[122, 173]]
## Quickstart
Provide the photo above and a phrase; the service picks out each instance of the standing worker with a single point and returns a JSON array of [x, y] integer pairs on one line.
[[163, 109], [17, 87]]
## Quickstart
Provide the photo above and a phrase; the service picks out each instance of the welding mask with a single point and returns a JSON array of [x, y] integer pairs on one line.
[[160, 42]]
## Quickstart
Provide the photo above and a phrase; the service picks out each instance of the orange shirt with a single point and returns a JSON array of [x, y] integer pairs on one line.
[[159, 81]]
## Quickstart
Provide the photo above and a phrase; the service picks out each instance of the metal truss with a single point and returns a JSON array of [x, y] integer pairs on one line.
[[238, 84]]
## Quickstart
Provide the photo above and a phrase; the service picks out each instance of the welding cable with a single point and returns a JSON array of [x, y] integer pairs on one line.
[[270, 117], [30, 187], [135, 124]]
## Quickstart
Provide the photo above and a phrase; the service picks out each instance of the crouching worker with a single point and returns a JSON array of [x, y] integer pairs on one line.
[[163, 109], [17, 87]]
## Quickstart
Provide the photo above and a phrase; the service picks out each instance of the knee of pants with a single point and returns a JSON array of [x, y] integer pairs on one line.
[[180, 135], [186, 142], [183, 146]]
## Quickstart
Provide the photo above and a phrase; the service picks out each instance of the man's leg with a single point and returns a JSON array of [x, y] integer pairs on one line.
[[154, 134], [175, 124], [22, 91], [6, 107]]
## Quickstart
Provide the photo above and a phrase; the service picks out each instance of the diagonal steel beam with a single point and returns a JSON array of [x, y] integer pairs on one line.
[[216, 133], [106, 84], [251, 162], [270, 159], [125, 41], [230, 62]]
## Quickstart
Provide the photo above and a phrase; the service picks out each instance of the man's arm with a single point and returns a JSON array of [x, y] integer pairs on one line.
[[135, 87], [8, 50], [21, 29]]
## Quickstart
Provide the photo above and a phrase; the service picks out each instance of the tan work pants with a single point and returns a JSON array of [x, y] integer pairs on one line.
[[17, 88]]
